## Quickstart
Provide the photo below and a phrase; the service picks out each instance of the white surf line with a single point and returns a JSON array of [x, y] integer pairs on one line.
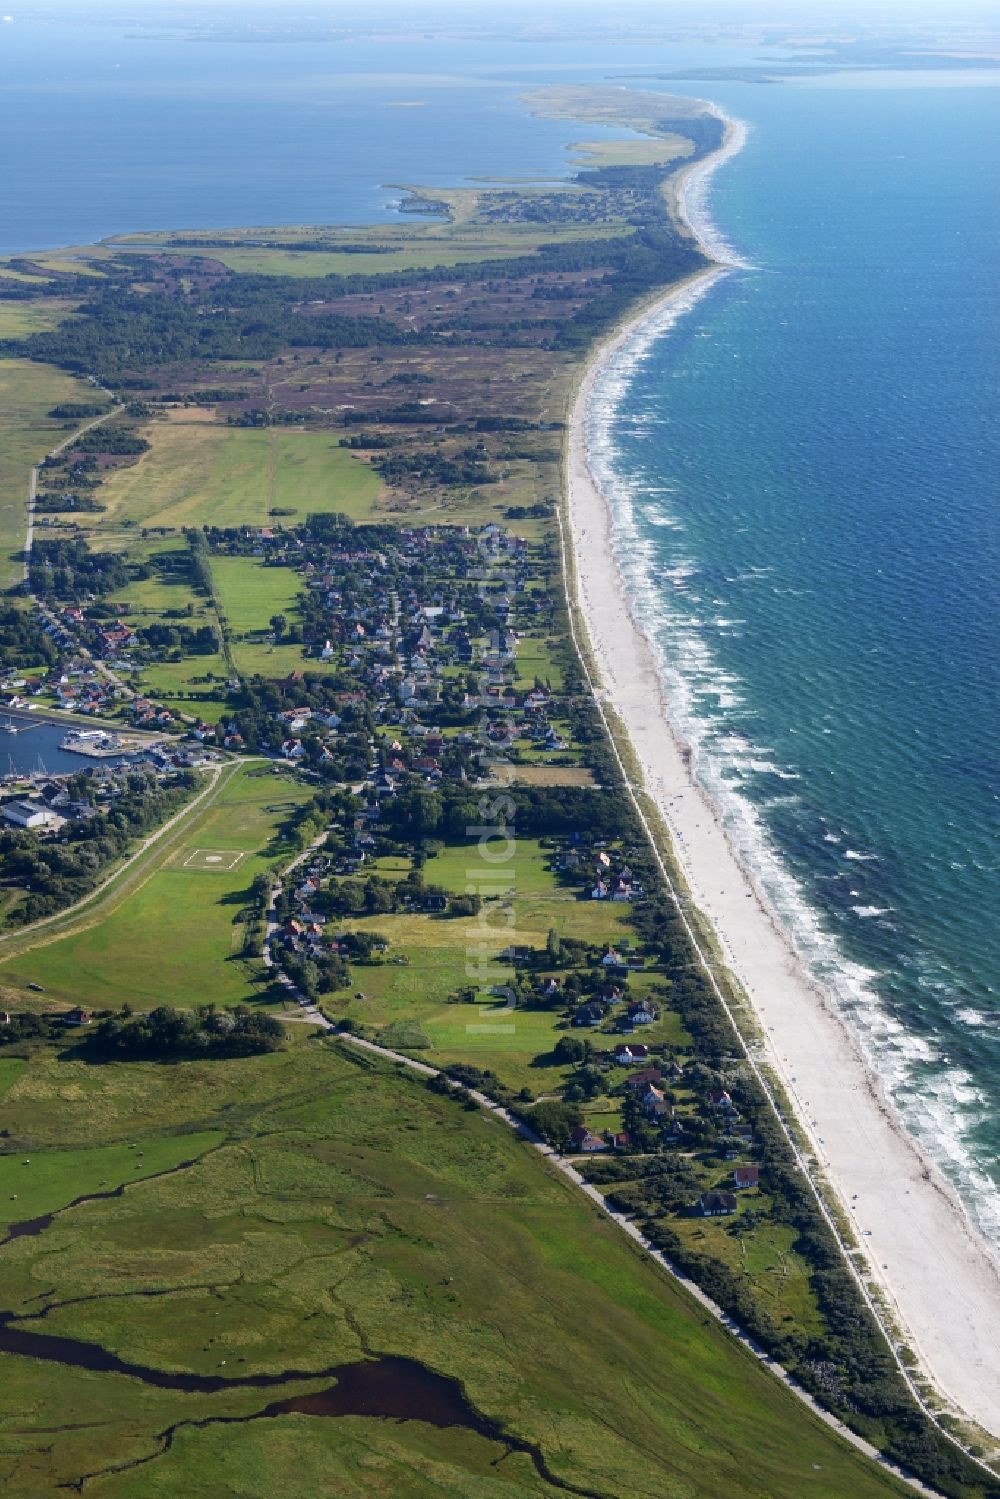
[[576, 457]]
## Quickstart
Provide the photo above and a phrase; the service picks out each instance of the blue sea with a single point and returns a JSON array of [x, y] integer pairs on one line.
[[802, 468], [804, 474]]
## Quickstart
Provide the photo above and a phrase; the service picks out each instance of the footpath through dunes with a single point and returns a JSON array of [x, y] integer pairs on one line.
[[397, 1273]]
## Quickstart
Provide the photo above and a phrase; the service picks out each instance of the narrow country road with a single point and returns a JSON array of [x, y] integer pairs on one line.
[[60, 447]]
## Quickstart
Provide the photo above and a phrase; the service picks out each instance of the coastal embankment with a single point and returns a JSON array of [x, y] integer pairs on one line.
[[917, 1248]]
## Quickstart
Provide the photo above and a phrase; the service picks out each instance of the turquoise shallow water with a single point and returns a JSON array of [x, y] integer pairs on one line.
[[804, 475]]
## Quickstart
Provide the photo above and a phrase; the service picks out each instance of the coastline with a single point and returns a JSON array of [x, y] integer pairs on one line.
[[924, 1259]]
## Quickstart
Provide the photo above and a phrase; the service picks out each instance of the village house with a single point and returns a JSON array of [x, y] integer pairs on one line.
[[581, 1139], [716, 1204], [640, 1080], [624, 1055]]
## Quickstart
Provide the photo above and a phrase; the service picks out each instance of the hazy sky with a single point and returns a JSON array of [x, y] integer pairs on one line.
[[775, 14]]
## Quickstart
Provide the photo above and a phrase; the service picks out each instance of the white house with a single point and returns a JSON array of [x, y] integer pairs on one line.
[[29, 814]]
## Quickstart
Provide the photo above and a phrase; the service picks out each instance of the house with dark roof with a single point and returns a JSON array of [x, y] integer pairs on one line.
[[716, 1204], [639, 1080]]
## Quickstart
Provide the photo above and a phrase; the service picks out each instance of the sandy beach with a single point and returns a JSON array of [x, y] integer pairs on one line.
[[931, 1266]]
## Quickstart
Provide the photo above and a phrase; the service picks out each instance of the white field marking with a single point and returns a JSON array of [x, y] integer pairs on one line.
[[212, 860]]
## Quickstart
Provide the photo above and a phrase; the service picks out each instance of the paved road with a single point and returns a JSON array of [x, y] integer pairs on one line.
[[272, 921]]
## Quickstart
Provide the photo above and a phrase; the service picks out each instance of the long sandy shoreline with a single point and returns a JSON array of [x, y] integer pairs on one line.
[[931, 1266]]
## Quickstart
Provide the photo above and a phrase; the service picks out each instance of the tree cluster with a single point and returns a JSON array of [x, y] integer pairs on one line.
[[169, 1035]]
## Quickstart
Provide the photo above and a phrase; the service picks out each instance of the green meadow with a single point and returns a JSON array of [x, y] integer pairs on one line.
[[289, 262], [431, 958], [32, 1185], [196, 473], [180, 685], [18, 319], [248, 594], [176, 937], [336, 1210]]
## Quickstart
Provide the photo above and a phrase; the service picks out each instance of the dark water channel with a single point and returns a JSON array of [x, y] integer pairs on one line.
[[383, 1387], [386, 1388]]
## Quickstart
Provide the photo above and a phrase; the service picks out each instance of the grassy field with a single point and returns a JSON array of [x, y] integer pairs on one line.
[[9, 274], [68, 265], [282, 262], [17, 319], [179, 684], [46, 1183], [172, 940], [197, 474], [249, 594], [444, 955], [10, 1070], [394, 248], [27, 393], [350, 1212]]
